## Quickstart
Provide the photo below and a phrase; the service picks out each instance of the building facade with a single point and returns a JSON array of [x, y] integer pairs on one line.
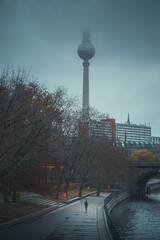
[[105, 127], [133, 132], [156, 141]]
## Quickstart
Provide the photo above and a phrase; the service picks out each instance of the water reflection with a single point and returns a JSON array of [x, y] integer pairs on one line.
[[138, 219]]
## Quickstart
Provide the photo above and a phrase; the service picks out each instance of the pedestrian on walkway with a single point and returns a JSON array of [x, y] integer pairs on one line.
[[86, 205]]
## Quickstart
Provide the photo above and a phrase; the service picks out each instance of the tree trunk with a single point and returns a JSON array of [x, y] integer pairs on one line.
[[14, 192], [5, 192], [98, 191], [80, 190], [66, 188], [58, 190]]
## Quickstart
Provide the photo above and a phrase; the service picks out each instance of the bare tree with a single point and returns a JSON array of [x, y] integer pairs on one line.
[[29, 122]]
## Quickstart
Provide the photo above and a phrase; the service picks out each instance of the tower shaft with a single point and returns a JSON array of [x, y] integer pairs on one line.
[[85, 100]]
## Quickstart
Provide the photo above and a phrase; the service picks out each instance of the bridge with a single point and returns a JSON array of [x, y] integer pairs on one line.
[[142, 172]]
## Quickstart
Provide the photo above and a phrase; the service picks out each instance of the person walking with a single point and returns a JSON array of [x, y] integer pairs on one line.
[[86, 205]]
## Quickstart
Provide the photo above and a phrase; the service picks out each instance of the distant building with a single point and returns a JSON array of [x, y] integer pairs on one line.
[[137, 145], [133, 132], [113, 124], [141, 145], [83, 128], [105, 127], [156, 141]]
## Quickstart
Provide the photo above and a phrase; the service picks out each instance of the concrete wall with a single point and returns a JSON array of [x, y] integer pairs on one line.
[[153, 186], [109, 203], [115, 199]]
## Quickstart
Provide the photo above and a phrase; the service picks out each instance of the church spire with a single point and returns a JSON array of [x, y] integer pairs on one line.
[[128, 120]]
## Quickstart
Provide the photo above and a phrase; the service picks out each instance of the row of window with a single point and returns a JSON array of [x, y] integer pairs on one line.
[[133, 133], [132, 126], [133, 130]]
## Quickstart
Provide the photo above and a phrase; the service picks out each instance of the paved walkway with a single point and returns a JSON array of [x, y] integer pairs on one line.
[[69, 222]]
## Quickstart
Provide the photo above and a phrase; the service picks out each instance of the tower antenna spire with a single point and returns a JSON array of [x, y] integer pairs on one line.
[[128, 120]]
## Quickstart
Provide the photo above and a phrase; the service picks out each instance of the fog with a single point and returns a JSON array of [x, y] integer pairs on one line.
[[43, 36]]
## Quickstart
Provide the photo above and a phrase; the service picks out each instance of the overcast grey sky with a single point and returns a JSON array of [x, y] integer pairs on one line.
[[43, 36]]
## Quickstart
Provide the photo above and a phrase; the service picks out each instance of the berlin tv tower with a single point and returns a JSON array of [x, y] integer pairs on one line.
[[86, 51]]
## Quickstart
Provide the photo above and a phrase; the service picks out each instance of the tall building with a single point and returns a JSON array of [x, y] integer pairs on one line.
[[113, 126], [85, 51], [133, 132], [105, 127]]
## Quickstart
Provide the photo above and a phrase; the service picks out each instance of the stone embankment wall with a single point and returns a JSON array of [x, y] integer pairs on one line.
[[109, 203], [153, 186]]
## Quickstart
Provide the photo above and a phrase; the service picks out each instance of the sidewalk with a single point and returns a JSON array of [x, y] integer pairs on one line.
[[68, 223], [37, 199]]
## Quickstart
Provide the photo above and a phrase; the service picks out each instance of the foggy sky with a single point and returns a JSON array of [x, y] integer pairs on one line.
[[43, 36]]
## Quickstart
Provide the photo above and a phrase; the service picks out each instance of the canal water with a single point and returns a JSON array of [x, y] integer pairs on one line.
[[138, 219]]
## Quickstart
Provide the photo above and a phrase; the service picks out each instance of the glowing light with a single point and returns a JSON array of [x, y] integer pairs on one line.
[[65, 194], [48, 166], [88, 187], [52, 166]]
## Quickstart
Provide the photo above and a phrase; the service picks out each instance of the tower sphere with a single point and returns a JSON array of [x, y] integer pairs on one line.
[[86, 50]]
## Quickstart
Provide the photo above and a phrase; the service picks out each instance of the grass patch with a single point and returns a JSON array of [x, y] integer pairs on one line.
[[18, 209]]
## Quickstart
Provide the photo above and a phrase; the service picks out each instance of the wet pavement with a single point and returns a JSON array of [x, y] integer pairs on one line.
[[66, 223]]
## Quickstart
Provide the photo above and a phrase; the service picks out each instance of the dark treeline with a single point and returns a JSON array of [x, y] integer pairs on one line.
[[42, 145]]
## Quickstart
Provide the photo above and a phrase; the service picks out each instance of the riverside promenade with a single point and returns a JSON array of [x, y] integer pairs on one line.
[[68, 222]]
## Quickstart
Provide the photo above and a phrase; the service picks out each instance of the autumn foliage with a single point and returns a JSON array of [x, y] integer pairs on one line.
[[30, 122], [41, 146], [144, 155]]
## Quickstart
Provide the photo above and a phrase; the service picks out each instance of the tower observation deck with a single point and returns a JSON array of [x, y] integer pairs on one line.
[[85, 51]]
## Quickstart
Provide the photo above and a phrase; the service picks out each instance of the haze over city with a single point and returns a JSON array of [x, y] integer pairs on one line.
[[43, 37]]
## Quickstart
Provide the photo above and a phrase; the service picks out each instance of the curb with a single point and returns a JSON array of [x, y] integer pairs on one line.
[[40, 212], [78, 198], [106, 224]]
